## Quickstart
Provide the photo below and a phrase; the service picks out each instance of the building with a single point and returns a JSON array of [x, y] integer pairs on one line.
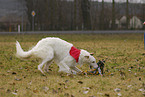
[[134, 23], [12, 14]]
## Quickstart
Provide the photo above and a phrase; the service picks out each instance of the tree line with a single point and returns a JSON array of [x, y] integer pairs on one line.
[[80, 14]]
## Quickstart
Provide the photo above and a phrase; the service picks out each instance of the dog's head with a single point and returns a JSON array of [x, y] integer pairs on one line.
[[88, 58]]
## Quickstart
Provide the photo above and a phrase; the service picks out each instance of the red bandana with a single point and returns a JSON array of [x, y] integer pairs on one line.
[[75, 53]]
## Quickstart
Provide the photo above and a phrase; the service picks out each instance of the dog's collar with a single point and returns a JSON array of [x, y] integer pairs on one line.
[[75, 53]]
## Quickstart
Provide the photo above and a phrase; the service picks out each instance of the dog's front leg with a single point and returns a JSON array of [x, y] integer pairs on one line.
[[76, 69], [63, 67]]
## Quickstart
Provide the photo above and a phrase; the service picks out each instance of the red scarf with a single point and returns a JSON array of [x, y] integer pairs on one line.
[[75, 53]]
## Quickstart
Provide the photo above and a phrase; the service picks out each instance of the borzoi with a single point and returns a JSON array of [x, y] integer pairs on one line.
[[65, 55]]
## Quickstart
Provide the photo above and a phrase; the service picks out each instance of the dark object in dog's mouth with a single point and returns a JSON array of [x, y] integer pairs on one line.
[[99, 70]]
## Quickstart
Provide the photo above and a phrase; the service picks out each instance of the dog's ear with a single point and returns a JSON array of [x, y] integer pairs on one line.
[[87, 57], [91, 54]]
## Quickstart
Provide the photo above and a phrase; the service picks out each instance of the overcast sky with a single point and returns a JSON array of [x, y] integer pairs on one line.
[[132, 1]]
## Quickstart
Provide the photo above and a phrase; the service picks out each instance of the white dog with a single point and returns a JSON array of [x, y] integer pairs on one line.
[[65, 55]]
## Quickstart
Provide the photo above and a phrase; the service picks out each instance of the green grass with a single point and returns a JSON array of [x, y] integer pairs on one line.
[[122, 52]]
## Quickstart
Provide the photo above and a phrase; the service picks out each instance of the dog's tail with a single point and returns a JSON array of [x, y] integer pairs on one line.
[[20, 53]]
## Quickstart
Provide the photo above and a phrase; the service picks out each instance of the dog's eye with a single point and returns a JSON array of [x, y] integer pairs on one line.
[[93, 62]]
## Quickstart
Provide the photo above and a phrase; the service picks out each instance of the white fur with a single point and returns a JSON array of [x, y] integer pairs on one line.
[[49, 49]]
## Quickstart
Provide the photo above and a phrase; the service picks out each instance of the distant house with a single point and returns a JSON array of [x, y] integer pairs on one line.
[[11, 22], [135, 23], [12, 14], [117, 23], [123, 22]]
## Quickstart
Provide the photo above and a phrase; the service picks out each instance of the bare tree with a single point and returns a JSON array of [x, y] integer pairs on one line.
[[85, 6], [30, 5], [101, 24], [127, 14], [113, 15], [75, 14]]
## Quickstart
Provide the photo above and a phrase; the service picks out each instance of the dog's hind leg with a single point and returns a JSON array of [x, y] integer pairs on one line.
[[41, 65], [49, 58], [47, 66]]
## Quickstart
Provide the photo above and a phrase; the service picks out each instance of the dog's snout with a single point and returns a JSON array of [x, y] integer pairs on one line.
[[95, 66]]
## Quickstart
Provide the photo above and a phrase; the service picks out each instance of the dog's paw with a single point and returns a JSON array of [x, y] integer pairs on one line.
[[83, 73], [46, 71], [73, 72], [43, 74]]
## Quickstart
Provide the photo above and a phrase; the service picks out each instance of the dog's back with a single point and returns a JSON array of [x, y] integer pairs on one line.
[[59, 47]]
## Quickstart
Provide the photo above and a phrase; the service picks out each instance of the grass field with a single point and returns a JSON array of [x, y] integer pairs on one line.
[[124, 69]]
